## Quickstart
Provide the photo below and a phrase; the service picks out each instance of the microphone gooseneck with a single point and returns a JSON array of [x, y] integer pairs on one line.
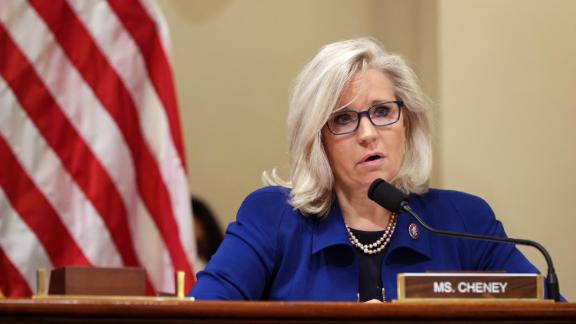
[[394, 200]]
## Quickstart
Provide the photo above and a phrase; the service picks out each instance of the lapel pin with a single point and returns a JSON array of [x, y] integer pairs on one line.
[[414, 231]]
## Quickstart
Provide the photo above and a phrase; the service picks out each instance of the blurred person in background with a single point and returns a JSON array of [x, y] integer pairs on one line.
[[207, 232]]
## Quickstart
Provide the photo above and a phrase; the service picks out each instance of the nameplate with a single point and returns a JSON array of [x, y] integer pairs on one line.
[[72, 280], [473, 285]]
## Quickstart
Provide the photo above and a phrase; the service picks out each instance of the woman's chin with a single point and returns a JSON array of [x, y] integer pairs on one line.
[[377, 175]]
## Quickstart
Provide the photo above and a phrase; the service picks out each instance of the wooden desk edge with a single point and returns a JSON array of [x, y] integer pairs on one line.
[[146, 308]]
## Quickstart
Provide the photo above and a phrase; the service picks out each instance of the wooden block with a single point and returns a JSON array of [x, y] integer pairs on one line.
[[98, 281], [474, 285]]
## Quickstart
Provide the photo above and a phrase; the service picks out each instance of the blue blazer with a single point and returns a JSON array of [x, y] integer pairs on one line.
[[272, 252]]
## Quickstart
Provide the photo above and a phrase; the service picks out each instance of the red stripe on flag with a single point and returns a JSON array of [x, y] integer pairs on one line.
[[63, 138], [12, 283], [110, 90], [36, 211], [146, 35]]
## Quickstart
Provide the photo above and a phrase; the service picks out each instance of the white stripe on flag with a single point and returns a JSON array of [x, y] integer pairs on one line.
[[20, 243]]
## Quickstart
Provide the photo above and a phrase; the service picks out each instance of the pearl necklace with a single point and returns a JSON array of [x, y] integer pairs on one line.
[[380, 244]]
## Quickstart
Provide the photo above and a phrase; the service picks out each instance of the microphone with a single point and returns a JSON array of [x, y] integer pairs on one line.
[[389, 197]]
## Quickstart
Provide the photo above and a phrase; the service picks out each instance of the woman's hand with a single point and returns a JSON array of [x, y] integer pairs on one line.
[[373, 301]]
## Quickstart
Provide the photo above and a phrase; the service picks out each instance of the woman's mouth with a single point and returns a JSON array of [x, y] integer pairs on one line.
[[372, 159]]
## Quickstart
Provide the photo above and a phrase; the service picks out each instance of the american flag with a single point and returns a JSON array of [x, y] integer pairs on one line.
[[92, 168]]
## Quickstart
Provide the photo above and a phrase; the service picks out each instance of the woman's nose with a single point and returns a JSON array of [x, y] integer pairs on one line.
[[366, 130]]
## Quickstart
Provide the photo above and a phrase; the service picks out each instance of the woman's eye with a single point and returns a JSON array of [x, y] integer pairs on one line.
[[381, 111], [343, 118]]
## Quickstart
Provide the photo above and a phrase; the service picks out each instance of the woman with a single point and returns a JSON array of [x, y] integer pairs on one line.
[[356, 114]]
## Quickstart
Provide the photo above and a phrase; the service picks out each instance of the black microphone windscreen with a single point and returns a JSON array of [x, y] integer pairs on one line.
[[386, 195]]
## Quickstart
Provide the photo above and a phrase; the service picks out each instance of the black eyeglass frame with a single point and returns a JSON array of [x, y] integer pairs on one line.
[[366, 113]]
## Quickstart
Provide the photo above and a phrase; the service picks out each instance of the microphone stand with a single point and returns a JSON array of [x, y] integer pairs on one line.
[[551, 279]]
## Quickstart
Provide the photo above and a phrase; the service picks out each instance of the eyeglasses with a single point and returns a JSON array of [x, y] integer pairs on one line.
[[382, 114]]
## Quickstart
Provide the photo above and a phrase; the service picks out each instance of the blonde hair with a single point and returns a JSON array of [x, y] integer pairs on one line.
[[314, 97]]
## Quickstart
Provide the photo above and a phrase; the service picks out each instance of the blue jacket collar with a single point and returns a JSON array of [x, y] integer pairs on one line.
[[330, 231], [417, 243]]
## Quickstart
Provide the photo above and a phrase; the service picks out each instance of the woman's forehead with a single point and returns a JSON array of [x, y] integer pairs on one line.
[[366, 88]]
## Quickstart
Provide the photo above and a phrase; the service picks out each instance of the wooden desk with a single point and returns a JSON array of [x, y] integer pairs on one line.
[[152, 311]]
